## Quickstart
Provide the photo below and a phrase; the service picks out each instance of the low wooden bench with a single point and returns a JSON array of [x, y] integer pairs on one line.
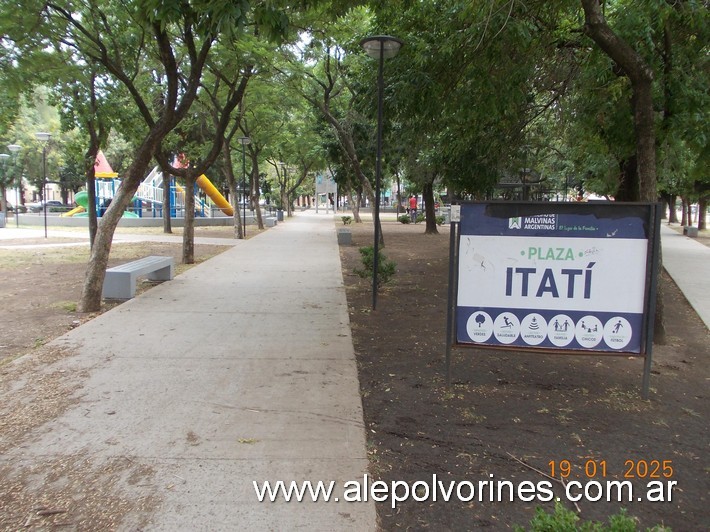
[[120, 281]]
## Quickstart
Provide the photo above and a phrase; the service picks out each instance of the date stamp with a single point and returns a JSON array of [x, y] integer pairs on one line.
[[595, 480], [641, 469]]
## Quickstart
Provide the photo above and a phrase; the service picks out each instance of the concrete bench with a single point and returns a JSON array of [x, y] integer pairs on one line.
[[120, 281], [345, 237], [270, 221], [689, 230]]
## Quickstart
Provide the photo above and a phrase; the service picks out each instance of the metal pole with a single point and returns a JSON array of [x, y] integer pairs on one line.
[[44, 186], [655, 247], [17, 205], [244, 188], [453, 263], [378, 169]]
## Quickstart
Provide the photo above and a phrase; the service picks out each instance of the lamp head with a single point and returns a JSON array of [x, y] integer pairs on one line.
[[389, 45], [43, 136], [14, 148]]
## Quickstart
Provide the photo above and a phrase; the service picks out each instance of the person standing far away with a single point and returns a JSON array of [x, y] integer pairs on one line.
[[413, 208]]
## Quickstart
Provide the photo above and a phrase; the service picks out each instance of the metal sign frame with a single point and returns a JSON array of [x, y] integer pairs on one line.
[[554, 278]]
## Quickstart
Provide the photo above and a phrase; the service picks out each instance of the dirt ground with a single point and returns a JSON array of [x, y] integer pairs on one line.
[[511, 416], [40, 286], [506, 415]]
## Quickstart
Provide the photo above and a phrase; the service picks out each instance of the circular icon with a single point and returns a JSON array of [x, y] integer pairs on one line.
[[561, 330], [533, 329], [589, 331], [506, 328], [617, 332], [479, 326]]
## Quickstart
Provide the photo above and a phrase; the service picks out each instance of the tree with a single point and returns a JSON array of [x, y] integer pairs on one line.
[[641, 77], [178, 41]]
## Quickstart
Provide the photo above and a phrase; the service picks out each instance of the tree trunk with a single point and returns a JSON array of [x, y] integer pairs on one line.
[[188, 233], [640, 75], [702, 210], [428, 194], [98, 259], [629, 188], [3, 201], [232, 184], [255, 192], [684, 211], [670, 201], [167, 203], [355, 204], [90, 161]]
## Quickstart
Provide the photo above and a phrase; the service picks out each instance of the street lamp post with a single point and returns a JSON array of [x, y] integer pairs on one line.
[[4, 157], [44, 137], [244, 141], [380, 47], [14, 148]]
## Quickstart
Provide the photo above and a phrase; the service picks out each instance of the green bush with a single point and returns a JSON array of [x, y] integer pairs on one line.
[[440, 220], [420, 218], [385, 268], [564, 520], [404, 218], [347, 220]]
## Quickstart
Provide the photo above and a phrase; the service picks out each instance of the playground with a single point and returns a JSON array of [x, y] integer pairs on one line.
[[150, 197]]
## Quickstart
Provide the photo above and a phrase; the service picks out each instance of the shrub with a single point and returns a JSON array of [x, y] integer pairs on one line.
[[385, 268], [404, 218], [420, 218], [566, 520], [440, 220], [347, 220]]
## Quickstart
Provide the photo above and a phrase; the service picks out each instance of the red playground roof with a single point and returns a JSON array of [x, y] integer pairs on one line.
[[102, 169]]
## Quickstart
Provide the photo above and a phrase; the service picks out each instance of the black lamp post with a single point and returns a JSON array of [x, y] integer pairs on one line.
[[14, 148], [3, 158], [44, 137], [244, 141], [380, 47]]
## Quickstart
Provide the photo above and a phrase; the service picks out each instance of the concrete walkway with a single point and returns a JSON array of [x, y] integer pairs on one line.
[[687, 261], [240, 370]]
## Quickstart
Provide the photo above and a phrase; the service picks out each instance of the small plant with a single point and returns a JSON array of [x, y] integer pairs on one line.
[[440, 220], [566, 520], [404, 218], [385, 268], [347, 220], [420, 218]]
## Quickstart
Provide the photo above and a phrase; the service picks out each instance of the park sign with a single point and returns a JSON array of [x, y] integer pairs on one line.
[[555, 277]]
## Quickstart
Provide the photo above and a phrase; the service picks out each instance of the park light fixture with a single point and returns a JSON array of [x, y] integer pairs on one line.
[[3, 160], [379, 47], [244, 141], [14, 148], [44, 137]]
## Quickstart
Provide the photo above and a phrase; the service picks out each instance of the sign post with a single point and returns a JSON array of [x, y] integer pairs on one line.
[[566, 278]]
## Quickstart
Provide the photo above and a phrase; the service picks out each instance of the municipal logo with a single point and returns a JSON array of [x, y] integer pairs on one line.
[[514, 223]]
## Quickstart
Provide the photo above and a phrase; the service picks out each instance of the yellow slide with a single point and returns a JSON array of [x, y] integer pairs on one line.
[[75, 210], [214, 194]]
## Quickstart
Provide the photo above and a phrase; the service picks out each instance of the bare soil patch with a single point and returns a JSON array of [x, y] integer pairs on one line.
[[505, 410], [40, 285]]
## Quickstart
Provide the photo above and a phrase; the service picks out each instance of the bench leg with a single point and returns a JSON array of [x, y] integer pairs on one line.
[[119, 285], [163, 274]]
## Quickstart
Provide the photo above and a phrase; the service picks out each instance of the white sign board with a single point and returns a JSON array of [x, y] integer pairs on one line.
[[554, 276]]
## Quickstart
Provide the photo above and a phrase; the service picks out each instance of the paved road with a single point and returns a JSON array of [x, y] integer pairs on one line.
[[242, 369]]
